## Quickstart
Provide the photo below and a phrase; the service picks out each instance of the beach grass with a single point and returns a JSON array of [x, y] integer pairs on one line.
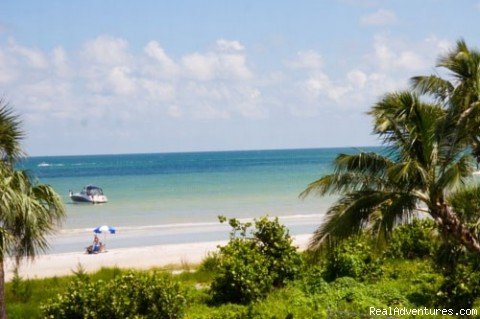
[[407, 283]]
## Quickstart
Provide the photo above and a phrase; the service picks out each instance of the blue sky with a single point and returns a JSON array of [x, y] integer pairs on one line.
[[96, 77]]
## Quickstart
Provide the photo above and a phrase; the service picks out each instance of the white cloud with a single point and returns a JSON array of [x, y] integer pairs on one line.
[[357, 78], [60, 62], [306, 60], [34, 57], [228, 61], [381, 17], [108, 87], [201, 67], [225, 45], [7, 70], [168, 67], [107, 50], [121, 81]]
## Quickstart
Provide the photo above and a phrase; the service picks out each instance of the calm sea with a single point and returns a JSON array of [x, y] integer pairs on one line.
[[176, 197]]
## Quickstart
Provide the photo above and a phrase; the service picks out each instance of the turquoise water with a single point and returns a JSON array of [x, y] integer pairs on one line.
[[176, 197]]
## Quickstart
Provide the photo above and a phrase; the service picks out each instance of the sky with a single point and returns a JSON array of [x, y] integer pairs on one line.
[[117, 76]]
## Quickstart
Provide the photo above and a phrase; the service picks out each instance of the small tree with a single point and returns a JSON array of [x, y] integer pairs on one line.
[[28, 211]]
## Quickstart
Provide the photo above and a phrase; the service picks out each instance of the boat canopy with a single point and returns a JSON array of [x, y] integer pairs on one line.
[[93, 190]]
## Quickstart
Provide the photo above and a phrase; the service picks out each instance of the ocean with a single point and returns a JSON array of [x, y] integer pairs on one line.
[[176, 197]]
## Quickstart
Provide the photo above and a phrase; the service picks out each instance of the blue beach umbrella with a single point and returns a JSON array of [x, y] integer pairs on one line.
[[104, 230]]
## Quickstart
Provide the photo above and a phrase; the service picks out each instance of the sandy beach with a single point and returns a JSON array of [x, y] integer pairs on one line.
[[138, 258]]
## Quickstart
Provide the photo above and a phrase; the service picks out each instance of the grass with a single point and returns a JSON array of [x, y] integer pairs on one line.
[[396, 283]]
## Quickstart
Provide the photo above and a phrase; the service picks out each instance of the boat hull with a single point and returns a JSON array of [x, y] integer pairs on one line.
[[88, 199]]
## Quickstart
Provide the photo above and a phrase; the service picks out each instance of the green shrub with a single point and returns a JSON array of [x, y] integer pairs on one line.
[[415, 240], [312, 281], [20, 289], [139, 295], [461, 285], [352, 257], [242, 273], [254, 261], [275, 244], [210, 262]]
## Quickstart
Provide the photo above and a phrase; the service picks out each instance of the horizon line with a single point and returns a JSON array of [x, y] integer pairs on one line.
[[207, 151]]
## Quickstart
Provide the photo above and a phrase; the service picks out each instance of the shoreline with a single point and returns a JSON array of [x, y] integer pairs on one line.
[[143, 258]]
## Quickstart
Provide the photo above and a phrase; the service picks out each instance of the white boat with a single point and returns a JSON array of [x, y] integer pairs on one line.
[[89, 194]]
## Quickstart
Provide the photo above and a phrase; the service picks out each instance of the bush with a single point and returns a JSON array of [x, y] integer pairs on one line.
[[415, 240], [139, 295], [242, 274], [20, 289], [461, 285], [275, 244], [352, 257], [313, 282], [253, 262]]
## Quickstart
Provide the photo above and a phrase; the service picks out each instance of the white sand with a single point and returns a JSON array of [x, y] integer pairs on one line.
[[138, 258]]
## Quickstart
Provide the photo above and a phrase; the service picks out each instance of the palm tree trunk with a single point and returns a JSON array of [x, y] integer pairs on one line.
[[452, 227], [3, 306]]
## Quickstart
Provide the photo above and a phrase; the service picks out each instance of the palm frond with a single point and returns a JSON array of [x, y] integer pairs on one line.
[[360, 210], [10, 134], [456, 173], [432, 85]]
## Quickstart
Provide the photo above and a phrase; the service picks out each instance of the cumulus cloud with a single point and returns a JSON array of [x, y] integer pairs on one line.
[[381, 17], [225, 45], [105, 79], [106, 50], [166, 66], [387, 66], [306, 60], [107, 86], [34, 57], [227, 61]]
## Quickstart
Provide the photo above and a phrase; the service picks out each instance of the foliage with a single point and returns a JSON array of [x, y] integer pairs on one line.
[[139, 295], [210, 263], [242, 275], [459, 289], [428, 156], [353, 257], [29, 211], [461, 276], [254, 262], [21, 289], [312, 281], [414, 240], [276, 245], [409, 283]]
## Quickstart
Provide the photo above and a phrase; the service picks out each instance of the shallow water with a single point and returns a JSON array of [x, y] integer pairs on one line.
[[176, 197]]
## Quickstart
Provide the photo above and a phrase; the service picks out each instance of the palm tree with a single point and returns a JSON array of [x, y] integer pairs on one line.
[[28, 211], [419, 169], [459, 91]]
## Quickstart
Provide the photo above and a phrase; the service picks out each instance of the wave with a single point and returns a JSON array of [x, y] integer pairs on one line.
[[193, 225], [81, 164], [43, 164]]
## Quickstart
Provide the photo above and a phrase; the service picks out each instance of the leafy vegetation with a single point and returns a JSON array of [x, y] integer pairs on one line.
[[353, 258], [353, 276], [28, 211], [414, 240], [251, 264], [377, 254], [139, 295], [428, 131]]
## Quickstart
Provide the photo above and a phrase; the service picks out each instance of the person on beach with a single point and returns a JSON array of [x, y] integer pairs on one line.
[[96, 247], [96, 244]]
